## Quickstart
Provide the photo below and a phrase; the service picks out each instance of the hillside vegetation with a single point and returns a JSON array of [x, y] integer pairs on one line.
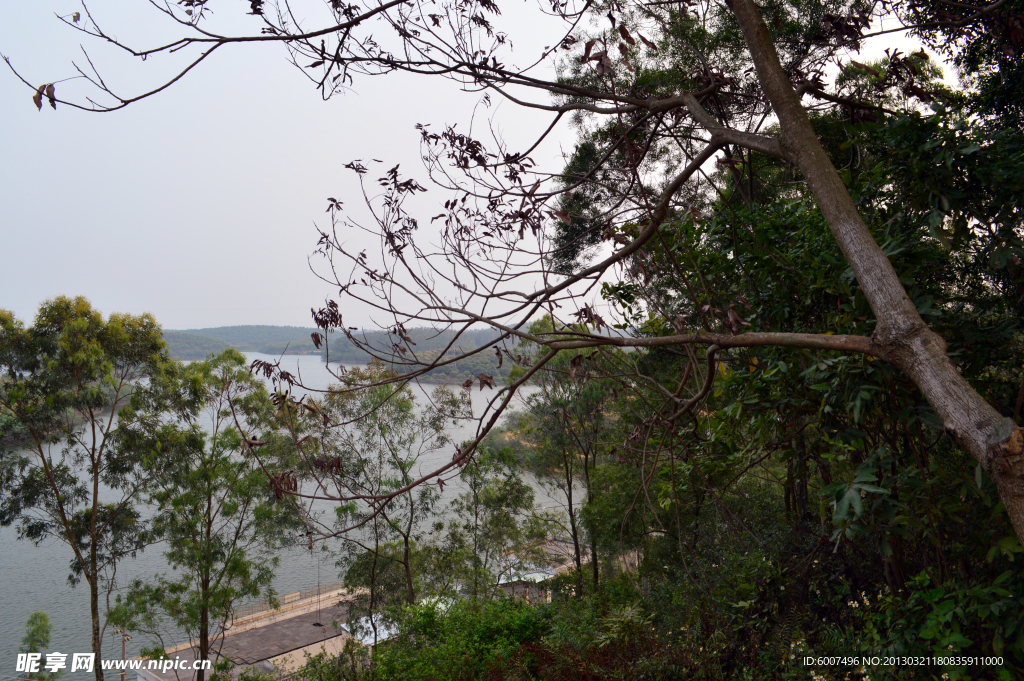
[[193, 344], [189, 345], [468, 368], [271, 340]]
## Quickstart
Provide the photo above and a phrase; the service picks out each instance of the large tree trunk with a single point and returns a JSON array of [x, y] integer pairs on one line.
[[901, 336]]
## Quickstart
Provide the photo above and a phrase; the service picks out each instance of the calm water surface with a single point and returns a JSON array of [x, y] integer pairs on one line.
[[35, 578]]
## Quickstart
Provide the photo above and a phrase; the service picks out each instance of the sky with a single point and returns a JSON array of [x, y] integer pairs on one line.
[[200, 205]]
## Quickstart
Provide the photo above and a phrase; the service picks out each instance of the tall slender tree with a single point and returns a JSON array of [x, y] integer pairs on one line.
[[63, 472], [215, 514]]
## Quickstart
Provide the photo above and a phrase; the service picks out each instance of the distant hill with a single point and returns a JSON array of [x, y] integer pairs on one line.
[[189, 345], [428, 345], [423, 339], [295, 340], [271, 340], [252, 338], [468, 368]]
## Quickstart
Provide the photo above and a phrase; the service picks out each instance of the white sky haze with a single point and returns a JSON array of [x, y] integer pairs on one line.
[[198, 205]]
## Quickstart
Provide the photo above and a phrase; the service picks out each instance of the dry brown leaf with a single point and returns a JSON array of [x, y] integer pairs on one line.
[[647, 42], [587, 48], [50, 97], [864, 67], [37, 98]]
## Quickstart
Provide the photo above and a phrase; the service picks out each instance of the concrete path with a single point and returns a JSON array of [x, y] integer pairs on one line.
[[282, 639], [283, 636]]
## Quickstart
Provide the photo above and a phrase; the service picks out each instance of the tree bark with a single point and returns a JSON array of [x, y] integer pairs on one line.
[[572, 523], [901, 336], [410, 589], [204, 631], [590, 530], [93, 576], [97, 639]]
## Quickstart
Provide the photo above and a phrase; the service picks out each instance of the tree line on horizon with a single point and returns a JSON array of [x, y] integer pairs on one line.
[[187, 344]]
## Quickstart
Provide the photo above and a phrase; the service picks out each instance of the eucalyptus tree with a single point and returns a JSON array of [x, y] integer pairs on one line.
[[569, 426], [731, 81], [64, 471], [215, 515], [494, 532], [358, 454]]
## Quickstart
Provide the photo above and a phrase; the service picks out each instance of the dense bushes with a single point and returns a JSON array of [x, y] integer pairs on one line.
[[464, 642]]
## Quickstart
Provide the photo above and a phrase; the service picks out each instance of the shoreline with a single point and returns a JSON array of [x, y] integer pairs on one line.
[[429, 380]]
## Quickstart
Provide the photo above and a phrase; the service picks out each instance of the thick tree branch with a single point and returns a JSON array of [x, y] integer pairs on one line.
[[908, 343]]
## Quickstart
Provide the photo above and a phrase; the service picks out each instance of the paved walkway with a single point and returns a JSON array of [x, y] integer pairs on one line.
[[261, 643], [272, 640]]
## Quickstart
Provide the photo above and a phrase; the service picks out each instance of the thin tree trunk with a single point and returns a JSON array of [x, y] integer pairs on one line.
[[590, 530], [204, 614], [204, 632], [94, 603], [373, 580], [410, 590], [93, 576], [476, 545], [572, 525], [901, 336]]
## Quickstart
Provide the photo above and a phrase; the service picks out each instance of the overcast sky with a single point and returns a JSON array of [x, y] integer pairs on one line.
[[198, 205]]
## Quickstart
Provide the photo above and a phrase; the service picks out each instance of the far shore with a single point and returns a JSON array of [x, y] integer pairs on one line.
[[429, 380]]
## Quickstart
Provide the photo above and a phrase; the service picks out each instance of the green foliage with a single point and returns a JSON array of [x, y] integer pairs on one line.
[[809, 481], [466, 368], [985, 54], [37, 640], [182, 345], [253, 673], [61, 382], [471, 640], [576, 239], [215, 512], [494, 533], [376, 452], [569, 428], [351, 665]]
